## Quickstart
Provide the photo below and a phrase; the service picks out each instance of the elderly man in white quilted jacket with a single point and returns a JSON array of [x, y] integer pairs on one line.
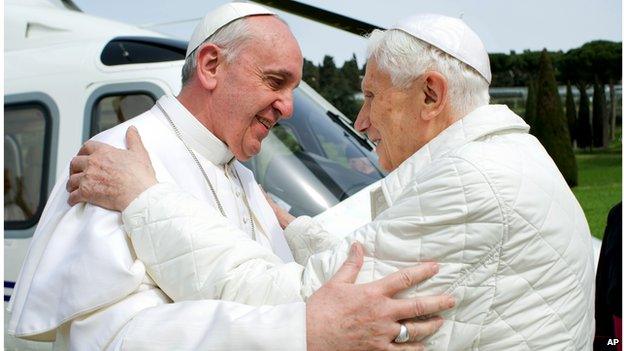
[[469, 188]]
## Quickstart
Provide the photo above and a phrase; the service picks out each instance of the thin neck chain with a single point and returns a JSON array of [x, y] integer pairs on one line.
[[203, 172]]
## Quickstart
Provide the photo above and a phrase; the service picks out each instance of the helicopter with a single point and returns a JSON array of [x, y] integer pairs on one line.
[[70, 75]]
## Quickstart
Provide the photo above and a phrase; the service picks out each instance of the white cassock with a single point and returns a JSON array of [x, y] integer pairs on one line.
[[82, 285]]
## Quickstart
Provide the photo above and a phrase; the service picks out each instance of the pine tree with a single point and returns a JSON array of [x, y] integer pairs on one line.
[[328, 73], [600, 131], [334, 87], [311, 74], [612, 110], [551, 127], [530, 109], [571, 113], [351, 73], [583, 132]]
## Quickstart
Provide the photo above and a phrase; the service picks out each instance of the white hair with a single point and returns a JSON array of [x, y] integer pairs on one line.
[[405, 58], [229, 38]]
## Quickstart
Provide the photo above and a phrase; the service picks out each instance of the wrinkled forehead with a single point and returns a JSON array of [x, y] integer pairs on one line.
[[374, 75]]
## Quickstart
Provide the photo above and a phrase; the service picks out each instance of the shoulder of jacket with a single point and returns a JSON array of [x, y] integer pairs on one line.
[[116, 136]]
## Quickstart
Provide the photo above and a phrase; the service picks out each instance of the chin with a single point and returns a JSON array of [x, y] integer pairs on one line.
[[387, 168], [385, 165], [247, 154], [242, 158], [240, 154], [246, 149], [383, 161]]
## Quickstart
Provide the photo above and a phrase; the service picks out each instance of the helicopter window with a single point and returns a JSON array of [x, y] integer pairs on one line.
[[26, 153], [133, 50], [112, 110]]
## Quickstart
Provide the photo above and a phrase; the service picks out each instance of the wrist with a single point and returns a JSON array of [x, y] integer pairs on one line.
[[285, 219], [134, 194], [311, 339]]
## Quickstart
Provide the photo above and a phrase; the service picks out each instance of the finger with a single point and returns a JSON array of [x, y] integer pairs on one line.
[[406, 347], [421, 306], [73, 182], [419, 330], [351, 267], [406, 278], [91, 146], [78, 164], [75, 197], [133, 140]]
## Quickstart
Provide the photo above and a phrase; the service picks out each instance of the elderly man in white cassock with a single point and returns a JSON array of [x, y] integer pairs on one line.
[[468, 188], [82, 285]]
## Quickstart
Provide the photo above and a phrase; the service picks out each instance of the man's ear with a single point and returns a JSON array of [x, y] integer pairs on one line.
[[209, 61], [435, 89]]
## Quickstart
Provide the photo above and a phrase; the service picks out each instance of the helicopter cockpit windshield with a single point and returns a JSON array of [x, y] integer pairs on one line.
[[312, 161]]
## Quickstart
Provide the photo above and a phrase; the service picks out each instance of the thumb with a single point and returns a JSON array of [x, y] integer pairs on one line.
[[133, 140], [351, 267]]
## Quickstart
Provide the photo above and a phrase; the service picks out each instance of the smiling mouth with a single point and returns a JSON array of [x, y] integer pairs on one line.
[[265, 122]]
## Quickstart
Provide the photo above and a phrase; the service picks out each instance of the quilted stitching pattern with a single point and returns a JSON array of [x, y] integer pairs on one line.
[[305, 236], [512, 241], [192, 252]]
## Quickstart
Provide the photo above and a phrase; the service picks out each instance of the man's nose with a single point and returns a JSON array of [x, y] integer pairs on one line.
[[362, 122], [285, 105]]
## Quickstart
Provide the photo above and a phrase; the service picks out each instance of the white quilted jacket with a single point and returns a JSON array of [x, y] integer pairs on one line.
[[483, 199]]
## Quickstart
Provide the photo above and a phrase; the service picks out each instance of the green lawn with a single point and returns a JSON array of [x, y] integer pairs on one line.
[[600, 186]]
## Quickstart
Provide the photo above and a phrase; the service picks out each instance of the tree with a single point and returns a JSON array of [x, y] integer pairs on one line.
[[334, 87], [551, 127], [351, 73], [518, 69], [612, 109], [531, 105], [571, 113], [583, 132], [579, 65], [328, 72], [600, 124], [311, 74], [502, 74], [608, 67], [603, 61]]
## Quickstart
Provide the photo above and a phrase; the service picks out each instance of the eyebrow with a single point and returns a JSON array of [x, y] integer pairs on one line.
[[283, 73], [280, 72]]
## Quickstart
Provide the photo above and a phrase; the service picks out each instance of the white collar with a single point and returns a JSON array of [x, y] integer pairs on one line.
[[195, 134]]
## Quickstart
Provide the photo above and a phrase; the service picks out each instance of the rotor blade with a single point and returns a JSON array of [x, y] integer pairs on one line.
[[71, 5], [322, 16], [170, 23]]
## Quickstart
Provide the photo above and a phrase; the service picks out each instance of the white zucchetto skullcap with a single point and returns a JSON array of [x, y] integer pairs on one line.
[[221, 16], [450, 35]]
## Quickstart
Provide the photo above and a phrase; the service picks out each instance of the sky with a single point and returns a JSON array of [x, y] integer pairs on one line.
[[503, 25]]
